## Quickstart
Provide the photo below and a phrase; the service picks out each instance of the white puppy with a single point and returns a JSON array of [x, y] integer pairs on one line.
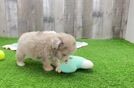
[[50, 47]]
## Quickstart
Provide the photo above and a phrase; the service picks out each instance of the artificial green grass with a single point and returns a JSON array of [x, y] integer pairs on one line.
[[114, 68]]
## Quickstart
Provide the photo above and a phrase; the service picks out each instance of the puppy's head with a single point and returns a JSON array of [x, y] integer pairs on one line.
[[65, 44]]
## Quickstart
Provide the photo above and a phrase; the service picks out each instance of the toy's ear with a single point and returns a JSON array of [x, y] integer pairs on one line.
[[56, 43]]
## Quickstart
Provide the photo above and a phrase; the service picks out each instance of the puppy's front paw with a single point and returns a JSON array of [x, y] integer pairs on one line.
[[48, 68], [58, 70], [21, 64]]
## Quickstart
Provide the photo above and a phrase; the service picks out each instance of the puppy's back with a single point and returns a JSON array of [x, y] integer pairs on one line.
[[33, 43]]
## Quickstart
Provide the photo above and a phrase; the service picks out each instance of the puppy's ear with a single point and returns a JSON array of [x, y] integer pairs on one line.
[[56, 43]]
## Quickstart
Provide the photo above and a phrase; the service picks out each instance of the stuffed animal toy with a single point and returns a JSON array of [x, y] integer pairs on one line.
[[74, 63]]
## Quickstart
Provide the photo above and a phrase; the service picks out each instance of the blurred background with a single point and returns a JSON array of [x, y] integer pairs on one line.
[[97, 19]]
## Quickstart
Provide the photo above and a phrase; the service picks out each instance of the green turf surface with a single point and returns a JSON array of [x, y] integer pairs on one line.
[[114, 68]]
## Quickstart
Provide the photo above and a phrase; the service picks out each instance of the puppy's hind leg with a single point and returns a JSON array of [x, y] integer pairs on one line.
[[20, 58]]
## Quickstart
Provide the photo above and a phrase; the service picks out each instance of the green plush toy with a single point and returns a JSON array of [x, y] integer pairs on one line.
[[74, 63]]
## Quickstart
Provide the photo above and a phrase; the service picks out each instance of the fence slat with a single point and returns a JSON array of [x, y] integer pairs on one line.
[[130, 26], [30, 15], [125, 11], [117, 14], [11, 10], [107, 8], [87, 20], [59, 15], [78, 18], [102, 19], [48, 19], [69, 16], [3, 19], [97, 16]]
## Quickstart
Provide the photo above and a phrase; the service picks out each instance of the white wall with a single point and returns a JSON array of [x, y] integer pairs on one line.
[[130, 26]]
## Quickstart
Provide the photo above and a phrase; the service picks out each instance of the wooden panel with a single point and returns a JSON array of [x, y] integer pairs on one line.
[[107, 8], [120, 15], [117, 17], [81, 18], [87, 20], [3, 19], [130, 26], [11, 10], [125, 10], [78, 18], [59, 15], [97, 16], [30, 15], [102, 19], [69, 16], [48, 19], [38, 14]]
